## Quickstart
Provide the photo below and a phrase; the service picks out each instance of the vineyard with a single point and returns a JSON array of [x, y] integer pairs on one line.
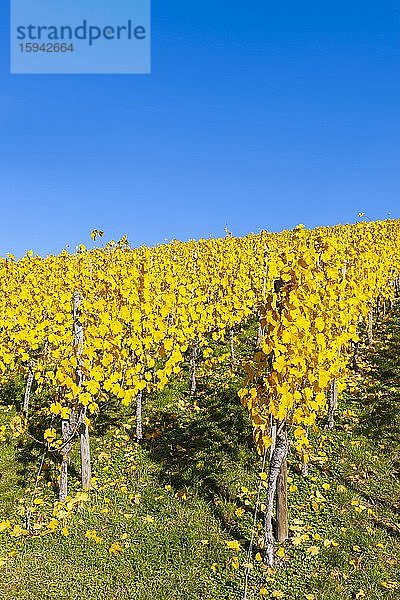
[[212, 419]]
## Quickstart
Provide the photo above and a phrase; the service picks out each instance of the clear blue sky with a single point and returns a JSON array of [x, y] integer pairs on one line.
[[257, 115]]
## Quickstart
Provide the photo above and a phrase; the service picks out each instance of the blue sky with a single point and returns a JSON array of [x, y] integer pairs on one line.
[[257, 115]]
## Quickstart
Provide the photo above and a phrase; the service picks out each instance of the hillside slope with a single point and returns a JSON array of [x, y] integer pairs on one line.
[[158, 522]]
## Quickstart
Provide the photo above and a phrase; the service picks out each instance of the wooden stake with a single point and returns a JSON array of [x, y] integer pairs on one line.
[[278, 456], [139, 427], [86, 471], [332, 404], [28, 388], [282, 527], [66, 433]]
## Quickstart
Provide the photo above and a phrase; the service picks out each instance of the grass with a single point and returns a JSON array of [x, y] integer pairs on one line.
[[167, 509]]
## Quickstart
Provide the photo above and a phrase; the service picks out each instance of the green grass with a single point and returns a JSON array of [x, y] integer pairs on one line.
[[170, 504]]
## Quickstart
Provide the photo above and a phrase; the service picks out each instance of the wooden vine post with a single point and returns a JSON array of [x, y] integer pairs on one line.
[[86, 471], [69, 426], [332, 404], [85, 454], [397, 286], [66, 451], [139, 406], [282, 525], [277, 479], [139, 426], [28, 387], [278, 458]]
